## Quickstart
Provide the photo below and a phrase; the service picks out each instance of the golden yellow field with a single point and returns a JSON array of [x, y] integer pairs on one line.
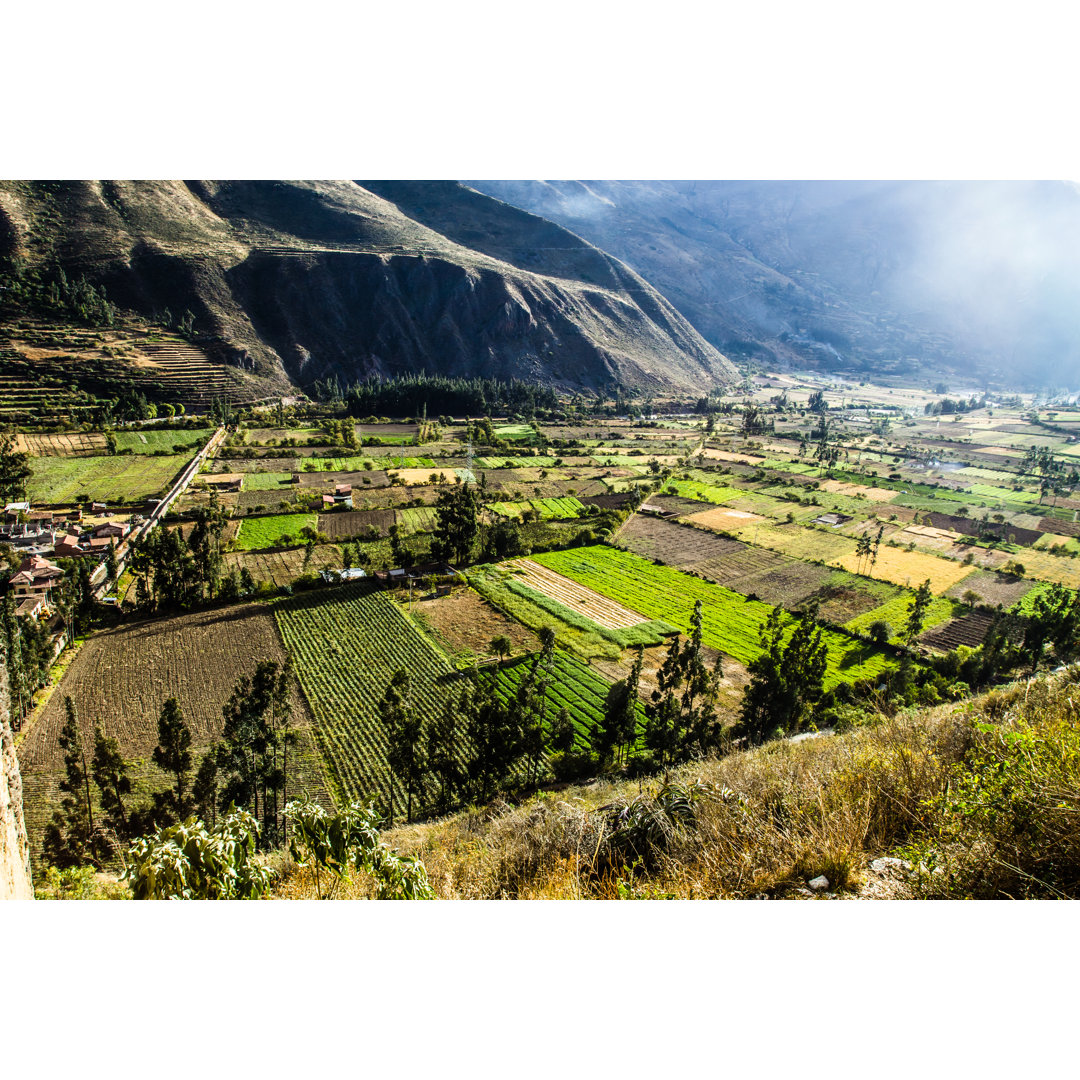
[[418, 477], [910, 568]]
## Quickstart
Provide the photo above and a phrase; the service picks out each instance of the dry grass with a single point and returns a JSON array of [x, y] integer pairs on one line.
[[982, 799], [768, 820]]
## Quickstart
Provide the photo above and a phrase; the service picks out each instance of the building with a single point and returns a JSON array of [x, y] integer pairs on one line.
[[36, 579]]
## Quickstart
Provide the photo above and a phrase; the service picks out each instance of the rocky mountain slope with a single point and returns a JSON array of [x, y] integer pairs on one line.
[[339, 278], [849, 276]]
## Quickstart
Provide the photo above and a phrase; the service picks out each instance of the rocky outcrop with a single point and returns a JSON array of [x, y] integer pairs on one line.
[[14, 847]]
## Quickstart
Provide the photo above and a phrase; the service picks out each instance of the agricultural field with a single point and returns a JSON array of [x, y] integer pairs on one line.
[[268, 481], [731, 622], [281, 568], [74, 444], [260, 533], [464, 625], [349, 523], [575, 686], [812, 544], [65, 481], [1056, 568], [908, 568], [346, 648], [896, 611], [969, 630], [599, 609], [568, 507], [417, 519], [122, 676], [994, 589], [152, 441]]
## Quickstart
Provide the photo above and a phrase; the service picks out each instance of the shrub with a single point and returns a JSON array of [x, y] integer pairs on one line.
[[189, 861]]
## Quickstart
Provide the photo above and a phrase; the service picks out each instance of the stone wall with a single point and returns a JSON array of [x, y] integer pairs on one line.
[[14, 847]]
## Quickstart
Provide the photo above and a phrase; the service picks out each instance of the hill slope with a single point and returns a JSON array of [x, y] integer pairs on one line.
[[337, 278], [849, 276]]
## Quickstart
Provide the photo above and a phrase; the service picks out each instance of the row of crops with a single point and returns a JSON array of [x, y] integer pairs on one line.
[[575, 686], [730, 623], [346, 650], [567, 507]]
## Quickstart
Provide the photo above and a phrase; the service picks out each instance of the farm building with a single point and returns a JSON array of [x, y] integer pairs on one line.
[[35, 579], [110, 529], [353, 573], [31, 608], [833, 519]]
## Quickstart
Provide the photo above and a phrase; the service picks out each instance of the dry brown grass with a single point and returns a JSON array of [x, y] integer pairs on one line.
[[768, 820]]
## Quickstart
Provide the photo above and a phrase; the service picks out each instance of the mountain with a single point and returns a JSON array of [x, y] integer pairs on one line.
[[342, 278], [860, 277]]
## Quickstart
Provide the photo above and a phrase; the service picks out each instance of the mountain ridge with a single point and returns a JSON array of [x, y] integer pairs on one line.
[[321, 279]]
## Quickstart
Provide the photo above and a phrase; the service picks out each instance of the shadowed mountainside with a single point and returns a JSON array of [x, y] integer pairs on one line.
[[858, 277], [317, 279]]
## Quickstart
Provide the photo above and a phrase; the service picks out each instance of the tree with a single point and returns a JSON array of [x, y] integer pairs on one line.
[[444, 750], [679, 723], [457, 511], [406, 757], [786, 680], [333, 842], [917, 609], [618, 728], [68, 837], [393, 708], [109, 770], [529, 705], [500, 646], [204, 792], [256, 732], [111, 568], [496, 742], [563, 734], [173, 754], [204, 544], [14, 470]]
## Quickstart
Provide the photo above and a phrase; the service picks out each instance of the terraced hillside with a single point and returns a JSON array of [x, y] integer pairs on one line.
[[49, 370]]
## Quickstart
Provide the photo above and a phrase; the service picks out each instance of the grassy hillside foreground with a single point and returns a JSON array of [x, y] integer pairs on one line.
[[976, 800]]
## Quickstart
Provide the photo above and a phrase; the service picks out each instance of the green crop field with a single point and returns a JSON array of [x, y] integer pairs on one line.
[[515, 462], [127, 478], [568, 507], [148, 442], [346, 650], [730, 622], [417, 519], [361, 461], [694, 489], [266, 481], [522, 433], [268, 532], [575, 686], [572, 630], [895, 612]]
